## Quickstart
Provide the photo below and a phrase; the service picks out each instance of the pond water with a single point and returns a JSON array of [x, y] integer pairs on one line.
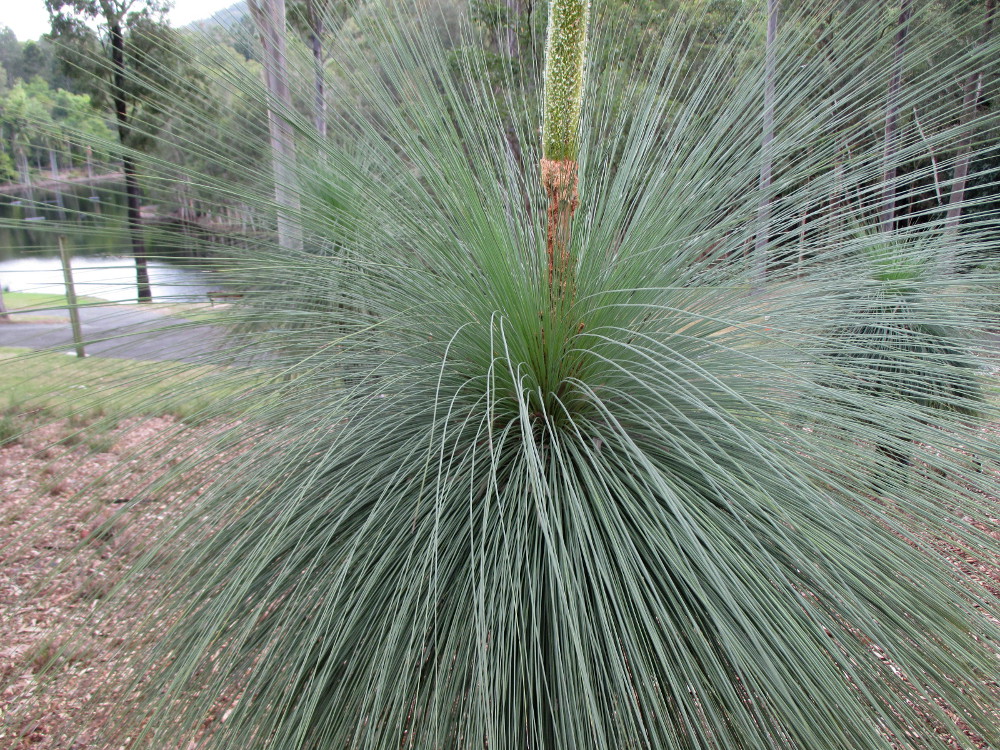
[[107, 277], [92, 218]]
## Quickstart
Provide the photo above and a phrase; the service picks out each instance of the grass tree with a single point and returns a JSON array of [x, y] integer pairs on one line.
[[893, 334], [520, 463]]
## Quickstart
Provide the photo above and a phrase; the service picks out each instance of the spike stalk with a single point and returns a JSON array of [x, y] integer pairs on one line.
[[565, 69]]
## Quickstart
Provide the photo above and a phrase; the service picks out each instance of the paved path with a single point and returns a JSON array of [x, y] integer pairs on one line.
[[117, 331]]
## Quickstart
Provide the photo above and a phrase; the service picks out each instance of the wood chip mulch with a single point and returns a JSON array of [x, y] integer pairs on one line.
[[61, 667], [56, 490]]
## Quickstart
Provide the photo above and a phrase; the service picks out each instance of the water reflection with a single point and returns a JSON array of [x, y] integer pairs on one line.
[[109, 277], [92, 217]]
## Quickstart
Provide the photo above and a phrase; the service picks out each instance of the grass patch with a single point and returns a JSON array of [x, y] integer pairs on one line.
[[58, 386], [35, 302]]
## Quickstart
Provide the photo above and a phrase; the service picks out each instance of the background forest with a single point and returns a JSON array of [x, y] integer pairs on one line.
[[57, 116]]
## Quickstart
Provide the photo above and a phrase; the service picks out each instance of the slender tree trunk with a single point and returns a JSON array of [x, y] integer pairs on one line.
[[132, 191], [888, 217], [511, 37], [512, 47], [970, 101], [767, 147], [133, 202], [269, 15], [23, 172], [316, 44], [24, 176], [54, 169]]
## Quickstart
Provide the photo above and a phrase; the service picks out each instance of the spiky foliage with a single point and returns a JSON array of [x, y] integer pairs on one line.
[[892, 338], [458, 516]]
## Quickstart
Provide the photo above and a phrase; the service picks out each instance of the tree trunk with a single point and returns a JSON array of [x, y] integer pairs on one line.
[[54, 169], [269, 16], [970, 101], [4, 317], [513, 50], [133, 200], [511, 42], [23, 171], [24, 176], [316, 44], [132, 192], [767, 139], [888, 218]]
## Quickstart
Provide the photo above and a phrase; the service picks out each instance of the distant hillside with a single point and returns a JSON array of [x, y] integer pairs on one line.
[[225, 19]]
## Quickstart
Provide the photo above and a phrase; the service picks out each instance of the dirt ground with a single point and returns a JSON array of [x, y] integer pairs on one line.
[[58, 488], [61, 669]]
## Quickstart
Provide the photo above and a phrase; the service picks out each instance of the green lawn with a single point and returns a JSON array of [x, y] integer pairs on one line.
[[34, 302], [34, 384], [33, 306]]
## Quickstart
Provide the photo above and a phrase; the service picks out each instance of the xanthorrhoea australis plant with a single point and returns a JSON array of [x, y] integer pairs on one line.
[[638, 525], [901, 339]]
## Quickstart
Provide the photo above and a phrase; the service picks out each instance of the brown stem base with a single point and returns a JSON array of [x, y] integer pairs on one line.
[[561, 181]]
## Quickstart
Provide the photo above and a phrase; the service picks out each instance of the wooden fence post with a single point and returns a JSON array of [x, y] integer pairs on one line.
[[74, 311]]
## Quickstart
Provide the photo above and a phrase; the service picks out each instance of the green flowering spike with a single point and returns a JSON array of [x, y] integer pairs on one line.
[[565, 59]]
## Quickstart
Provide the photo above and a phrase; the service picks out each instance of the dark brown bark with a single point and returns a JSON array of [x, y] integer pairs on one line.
[[133, 201], [133, 195], [971, 92], [888, 216]]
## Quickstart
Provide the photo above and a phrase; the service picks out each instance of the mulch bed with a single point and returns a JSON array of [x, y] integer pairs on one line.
[[62, 669]]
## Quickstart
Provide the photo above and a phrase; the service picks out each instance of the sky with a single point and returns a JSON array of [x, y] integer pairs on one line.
[[29, 20]]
